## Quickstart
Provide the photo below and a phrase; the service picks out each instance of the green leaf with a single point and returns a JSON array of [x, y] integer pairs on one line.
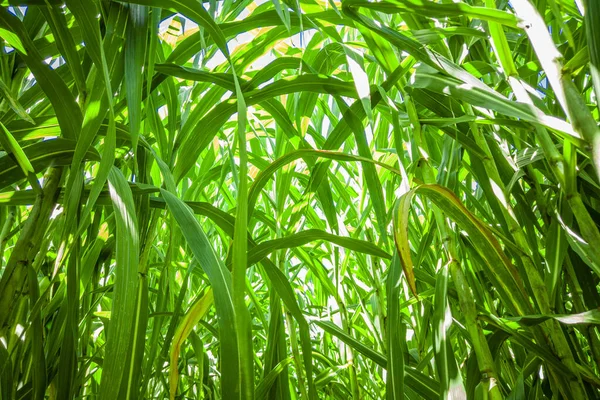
[[125, 286], [41, 155], [433, 9], [13, 40], [12, 146], [447, 367], [263, 249], [220, 279], [135, 54], [395, 335], [584, 318], [14, 103]]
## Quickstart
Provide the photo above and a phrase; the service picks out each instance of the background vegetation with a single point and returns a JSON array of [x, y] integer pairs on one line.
[[299, 199]]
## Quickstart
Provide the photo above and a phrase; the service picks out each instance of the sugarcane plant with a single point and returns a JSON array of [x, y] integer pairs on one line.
[[299, 199]]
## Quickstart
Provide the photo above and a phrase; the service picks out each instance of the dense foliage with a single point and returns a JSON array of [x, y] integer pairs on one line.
[[299, 199]]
